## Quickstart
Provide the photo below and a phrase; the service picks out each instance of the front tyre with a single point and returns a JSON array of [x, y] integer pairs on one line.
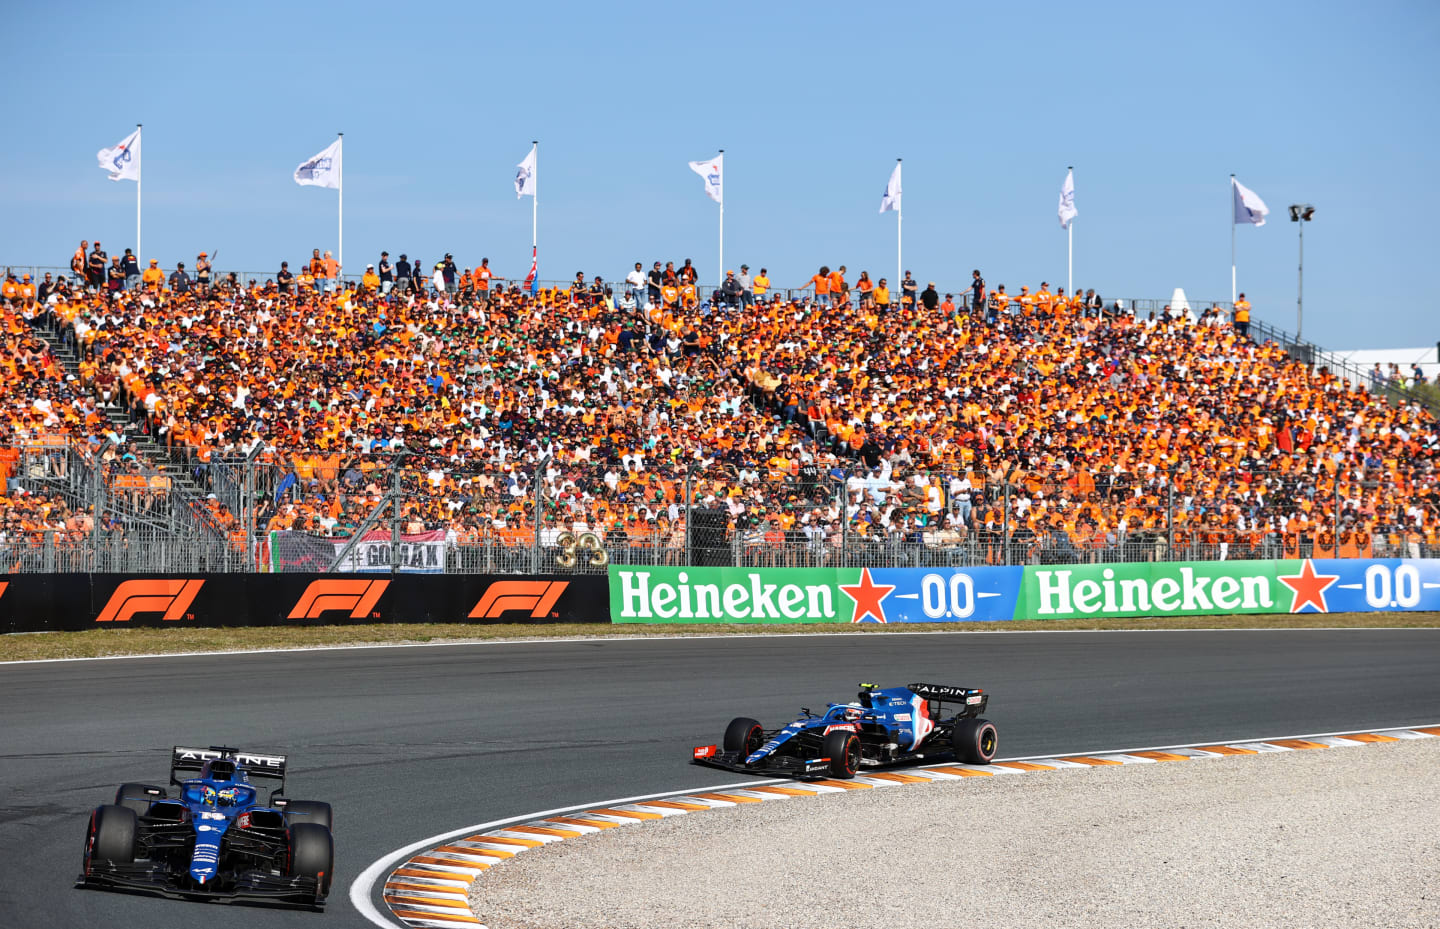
[[312, 854], [111, 836], [843, 749], [975, 741], [743, 735]]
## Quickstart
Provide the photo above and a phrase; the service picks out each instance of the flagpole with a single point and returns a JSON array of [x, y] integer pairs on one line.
[[720, 271], [535, 201], [138, 168], [1232, 240], [341, 220], [1070, 257], [899, 222]]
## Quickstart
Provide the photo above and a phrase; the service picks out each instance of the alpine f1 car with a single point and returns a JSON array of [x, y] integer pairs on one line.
[[890, 725], [212, 838]]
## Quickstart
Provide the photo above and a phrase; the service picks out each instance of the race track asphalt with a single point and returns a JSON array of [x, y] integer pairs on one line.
[[411, 742]]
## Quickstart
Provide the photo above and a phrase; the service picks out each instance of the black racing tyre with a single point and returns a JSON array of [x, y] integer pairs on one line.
[[309, 811], [134, 797], [312, 853], [842, 747], [975, 741], [111, 836], [743, 735]]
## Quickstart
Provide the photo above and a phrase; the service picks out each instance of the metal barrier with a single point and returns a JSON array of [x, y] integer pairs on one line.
[[574, 517]]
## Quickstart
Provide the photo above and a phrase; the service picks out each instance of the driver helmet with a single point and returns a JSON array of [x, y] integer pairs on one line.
[[853, 713]]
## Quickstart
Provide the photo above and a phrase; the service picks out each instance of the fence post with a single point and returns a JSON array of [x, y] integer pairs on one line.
[[1005, 522], [247, 511], [1170, 513], [395, 513], [539, 514], [689, 507], [843, 494]]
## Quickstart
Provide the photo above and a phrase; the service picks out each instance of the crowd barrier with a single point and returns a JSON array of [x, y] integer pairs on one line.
[[52, 602], [654, 594]]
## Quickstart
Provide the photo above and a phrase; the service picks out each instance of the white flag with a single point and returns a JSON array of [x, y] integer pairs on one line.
[[1067, 200], [713, 172], [891, 200], [123, 161], [1249, 208], [323, 170], [525, 177]]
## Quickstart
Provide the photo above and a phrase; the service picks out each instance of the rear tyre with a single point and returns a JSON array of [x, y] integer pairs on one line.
[[975, 741], [134, 797], [111, 836], [843, 750], [310, 811], [743, 735], [312, 854]]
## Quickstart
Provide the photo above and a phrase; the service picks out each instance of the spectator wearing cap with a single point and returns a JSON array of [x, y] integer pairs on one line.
[[387, 273], [152, 279], [402, 272], [449, 272], [730, 290], [930, 297], [284, 278], [179, 280], [908, 289], [747, 288], [370, 280], [131, 266], [977, 292], [95, 268], [114, 277], [202, 272], [417, 276]]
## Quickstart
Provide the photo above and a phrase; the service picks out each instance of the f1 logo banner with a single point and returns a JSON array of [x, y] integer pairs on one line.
[[538, 597], [355, 596], [171, 596]]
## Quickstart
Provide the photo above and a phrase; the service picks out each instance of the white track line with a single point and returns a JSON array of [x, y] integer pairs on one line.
[[361, 890], [839, 630]]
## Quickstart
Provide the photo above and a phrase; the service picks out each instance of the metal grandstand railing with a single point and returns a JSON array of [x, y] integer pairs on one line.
[[578, 517]]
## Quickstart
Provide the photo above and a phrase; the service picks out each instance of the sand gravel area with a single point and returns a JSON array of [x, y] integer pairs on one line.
[[1322, 838]]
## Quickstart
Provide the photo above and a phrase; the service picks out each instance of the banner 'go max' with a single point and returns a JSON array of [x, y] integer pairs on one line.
[[990, 594]]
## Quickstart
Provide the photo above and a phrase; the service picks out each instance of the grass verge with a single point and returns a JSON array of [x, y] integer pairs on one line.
[[95, 643]]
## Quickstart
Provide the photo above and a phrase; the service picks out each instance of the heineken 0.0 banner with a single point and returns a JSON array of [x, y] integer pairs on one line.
[[989, 594]]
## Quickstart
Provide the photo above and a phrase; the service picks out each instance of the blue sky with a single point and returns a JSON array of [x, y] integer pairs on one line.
[[1155, 105]]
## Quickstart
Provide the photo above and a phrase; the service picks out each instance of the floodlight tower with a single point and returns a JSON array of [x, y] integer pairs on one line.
[[1301, 213]]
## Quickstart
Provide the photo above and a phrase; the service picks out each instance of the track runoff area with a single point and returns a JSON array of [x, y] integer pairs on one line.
[[428, 884]]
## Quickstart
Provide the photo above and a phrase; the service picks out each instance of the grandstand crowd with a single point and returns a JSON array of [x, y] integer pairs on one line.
[[844, 414]]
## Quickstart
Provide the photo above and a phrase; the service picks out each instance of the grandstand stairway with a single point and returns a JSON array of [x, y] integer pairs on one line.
[[186, 489]]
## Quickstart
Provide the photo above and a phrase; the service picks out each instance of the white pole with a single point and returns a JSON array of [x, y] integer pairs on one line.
[[720, 271], [138, 169], [535, 201], [1232, 240], [899, 251], [341, 220], [1070, 256]]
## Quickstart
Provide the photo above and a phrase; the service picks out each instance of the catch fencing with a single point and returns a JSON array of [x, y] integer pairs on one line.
[[407, 513]]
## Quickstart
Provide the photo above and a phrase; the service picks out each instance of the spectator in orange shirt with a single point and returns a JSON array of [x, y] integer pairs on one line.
[[821, 283]]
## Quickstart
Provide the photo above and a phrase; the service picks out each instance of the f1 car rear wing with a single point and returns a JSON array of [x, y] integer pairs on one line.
[[255, 764], [946, 693]]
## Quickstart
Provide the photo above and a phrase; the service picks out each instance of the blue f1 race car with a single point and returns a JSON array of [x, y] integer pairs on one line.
[[213, 839], [890, 725]]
